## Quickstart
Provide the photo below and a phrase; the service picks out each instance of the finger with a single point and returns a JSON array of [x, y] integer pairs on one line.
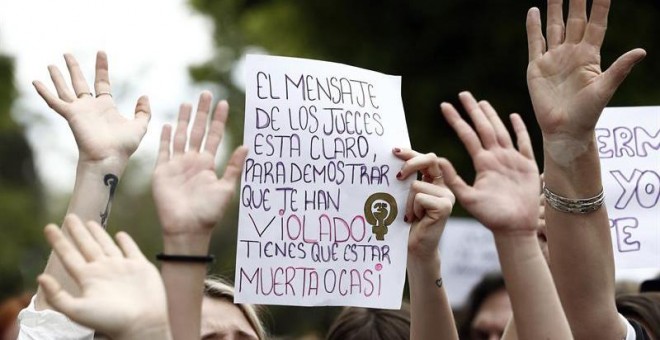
[[454, 181], [617, 73], [464, 131], [217, 128], [61, 87], [416, 188], [53, 102], [70, 257], [427, 164], [57, 297], [164, 150], [576, 21], [235, 165], [77, 79], [501, 133], [535, 39], [104, 240], [102, 78], [143, 112], [522, 136], [198, 129], [431, 207], [129, 247], [181, 134], [405, 154], [481, 123], [86, 244], [595, 32], [555, 28]]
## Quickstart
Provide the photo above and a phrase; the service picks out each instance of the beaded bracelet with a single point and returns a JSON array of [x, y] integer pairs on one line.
[[572, 205]]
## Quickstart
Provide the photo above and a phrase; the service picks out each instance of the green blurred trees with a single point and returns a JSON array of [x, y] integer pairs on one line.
[[21, 204], [439, 47]]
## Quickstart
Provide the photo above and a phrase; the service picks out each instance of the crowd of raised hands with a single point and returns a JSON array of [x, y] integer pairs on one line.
[[109, 287]]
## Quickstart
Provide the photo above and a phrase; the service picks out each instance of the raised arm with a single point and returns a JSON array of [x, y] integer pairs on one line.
[[429, 205], [122, 294], [504, 198], [569, 91], [105, 140], [190, 199]]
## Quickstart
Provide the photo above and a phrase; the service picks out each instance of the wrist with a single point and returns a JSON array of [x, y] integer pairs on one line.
[[196, 244], [114, 165], [160, 330]]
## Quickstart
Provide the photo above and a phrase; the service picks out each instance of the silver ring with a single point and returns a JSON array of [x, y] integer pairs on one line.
[[103, 93], [79, 95]]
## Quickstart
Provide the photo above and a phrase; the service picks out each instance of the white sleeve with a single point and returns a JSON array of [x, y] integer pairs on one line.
[[630, 331], [49, 325]]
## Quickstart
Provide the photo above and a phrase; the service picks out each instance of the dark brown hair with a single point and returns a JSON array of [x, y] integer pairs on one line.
[[355, 323], [643, 308]]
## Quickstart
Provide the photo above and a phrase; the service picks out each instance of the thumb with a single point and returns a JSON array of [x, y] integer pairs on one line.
[[57, 297], [143, 110], [619, 70]]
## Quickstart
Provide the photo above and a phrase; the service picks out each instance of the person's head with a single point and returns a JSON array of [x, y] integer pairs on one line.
[[9, 310], [356, 323], [223, 319], [488, 310], [644, 308]]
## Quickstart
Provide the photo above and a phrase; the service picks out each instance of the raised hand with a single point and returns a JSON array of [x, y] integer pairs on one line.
[[428, 207], [429, 202], [190, 198], [504, 196], [122, 294], [100, 131], [567, 86]]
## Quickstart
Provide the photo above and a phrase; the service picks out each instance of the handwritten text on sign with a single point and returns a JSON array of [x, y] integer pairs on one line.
[[321, 219], [628, 141]]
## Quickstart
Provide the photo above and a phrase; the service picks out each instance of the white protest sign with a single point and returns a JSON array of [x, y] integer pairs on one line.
[[321, 216], [467, 251], [628, 141]]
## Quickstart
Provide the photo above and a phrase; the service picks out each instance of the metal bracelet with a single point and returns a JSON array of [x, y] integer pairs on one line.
[[573, 205]]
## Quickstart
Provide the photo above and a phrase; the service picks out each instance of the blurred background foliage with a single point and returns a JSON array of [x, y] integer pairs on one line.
[[439, 47]]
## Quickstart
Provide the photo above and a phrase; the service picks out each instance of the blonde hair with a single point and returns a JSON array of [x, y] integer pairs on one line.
[[218, 288]]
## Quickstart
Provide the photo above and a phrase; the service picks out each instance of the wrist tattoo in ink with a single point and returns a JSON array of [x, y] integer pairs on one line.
[[438, 282], [111, 181]]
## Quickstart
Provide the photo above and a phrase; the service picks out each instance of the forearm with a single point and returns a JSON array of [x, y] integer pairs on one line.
[[431, 315], [510, 332], [91, 201], [184, 284], [159, 332], [534, 299], [580, 245]]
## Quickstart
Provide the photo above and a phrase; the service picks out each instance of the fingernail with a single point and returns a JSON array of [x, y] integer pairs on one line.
[[397, 150], [405, 218], [398, 175]]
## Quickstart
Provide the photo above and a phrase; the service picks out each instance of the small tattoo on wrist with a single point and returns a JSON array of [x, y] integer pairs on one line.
[[438, 282], [111, 181]]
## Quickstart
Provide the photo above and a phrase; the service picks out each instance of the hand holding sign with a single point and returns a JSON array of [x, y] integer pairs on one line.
[[429, 202]]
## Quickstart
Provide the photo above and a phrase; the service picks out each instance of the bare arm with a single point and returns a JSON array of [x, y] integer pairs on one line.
[[504, 198], [569, 91], [429, 205], [105, 142], [190, 199]]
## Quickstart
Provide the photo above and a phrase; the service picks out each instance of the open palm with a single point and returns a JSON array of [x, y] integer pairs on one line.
[[99, 129], [504, 196], [189, 196], [566, 84]]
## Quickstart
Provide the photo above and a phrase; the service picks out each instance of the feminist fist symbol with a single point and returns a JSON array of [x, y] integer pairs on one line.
[[380, 210]]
